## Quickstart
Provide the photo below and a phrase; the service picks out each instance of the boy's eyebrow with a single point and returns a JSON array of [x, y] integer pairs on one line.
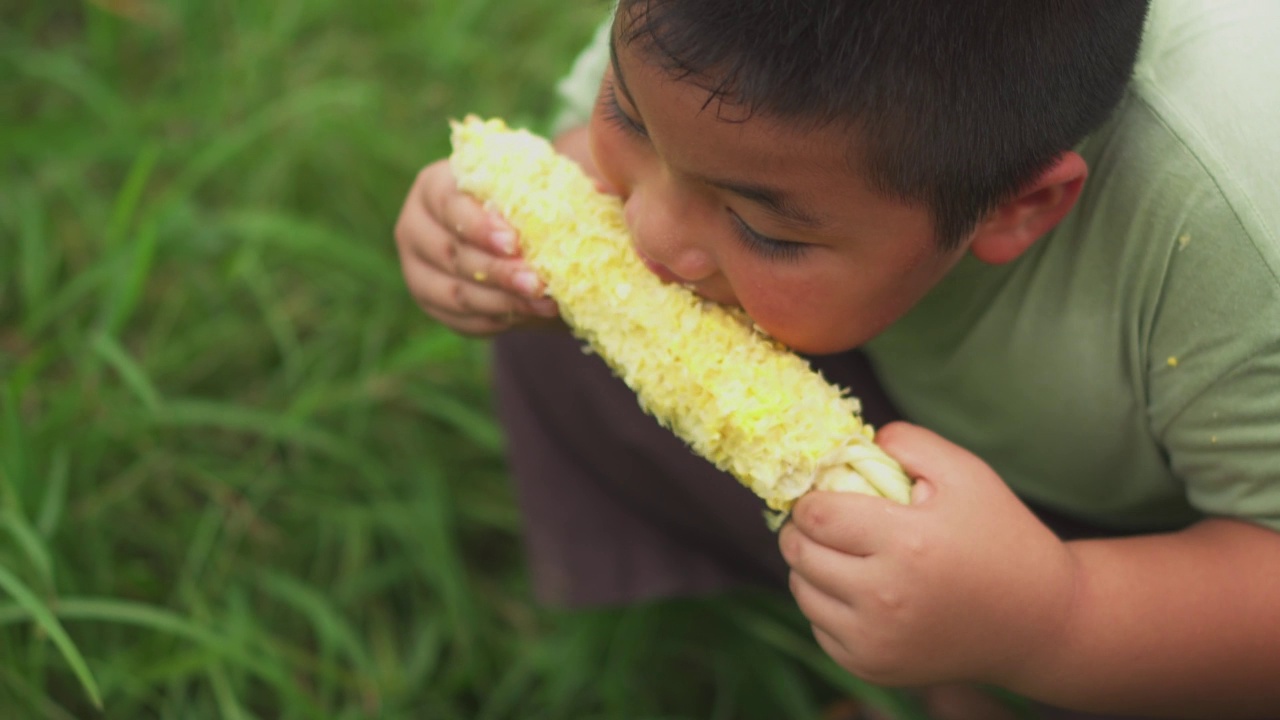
[[771, 199]]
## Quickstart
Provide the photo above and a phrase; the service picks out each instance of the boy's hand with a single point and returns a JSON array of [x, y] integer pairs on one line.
[[461, 263], [964, 584]]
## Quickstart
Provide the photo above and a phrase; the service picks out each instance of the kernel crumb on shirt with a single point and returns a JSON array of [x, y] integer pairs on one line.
[[1213, 439], [1182, 241], [1173, 361]]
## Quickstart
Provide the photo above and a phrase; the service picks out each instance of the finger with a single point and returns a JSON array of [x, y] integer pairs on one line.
[[480, 228], [825, 615], [443, 292], [484, 325], [471, 325], [819, 607], [466, 217], [834, 573], [931, 460], [423, 239], [420, 238], [450, 298], [511, 274], [853, 523], [833, 647], [921, 452]]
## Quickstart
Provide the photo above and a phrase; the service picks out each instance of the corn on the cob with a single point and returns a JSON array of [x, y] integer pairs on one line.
[[737, 397]]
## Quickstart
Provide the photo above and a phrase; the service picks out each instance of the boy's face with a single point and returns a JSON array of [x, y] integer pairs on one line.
[[757, 214]]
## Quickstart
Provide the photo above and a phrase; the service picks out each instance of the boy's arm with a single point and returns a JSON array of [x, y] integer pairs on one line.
[[1185, 623], [966, 584]]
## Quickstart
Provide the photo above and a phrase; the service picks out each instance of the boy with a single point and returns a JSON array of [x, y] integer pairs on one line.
[[909, 179]]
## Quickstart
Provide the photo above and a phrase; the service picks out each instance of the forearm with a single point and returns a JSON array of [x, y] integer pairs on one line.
[[1185, 624]]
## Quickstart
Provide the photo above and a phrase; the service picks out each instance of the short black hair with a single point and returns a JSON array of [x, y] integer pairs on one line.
[[955, 104]]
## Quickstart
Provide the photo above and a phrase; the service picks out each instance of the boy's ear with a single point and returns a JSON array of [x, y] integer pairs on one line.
[[1007, 231]]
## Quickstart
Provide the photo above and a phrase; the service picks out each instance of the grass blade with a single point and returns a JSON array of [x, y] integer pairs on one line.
[[55, 492], [476, 424], [134, 377], [129, 287], [156, 619], [13, 444], [302, 239], [47, 622], [130, 196], [35, 259], [190, 412], [31, 543], [327, 621]]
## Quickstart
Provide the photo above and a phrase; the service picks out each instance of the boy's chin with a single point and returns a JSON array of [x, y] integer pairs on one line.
[[814, 341]]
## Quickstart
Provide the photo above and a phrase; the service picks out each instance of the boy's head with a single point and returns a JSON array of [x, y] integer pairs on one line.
[[823, 164], [957, 105]]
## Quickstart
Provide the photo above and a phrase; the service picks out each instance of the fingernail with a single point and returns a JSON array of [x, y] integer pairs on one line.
[[504, 241], [527, 283]]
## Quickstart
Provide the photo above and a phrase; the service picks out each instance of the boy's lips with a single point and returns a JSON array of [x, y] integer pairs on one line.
[[664, 274]]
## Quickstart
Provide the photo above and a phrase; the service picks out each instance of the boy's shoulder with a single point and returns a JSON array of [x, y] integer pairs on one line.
[[1123, 369], [1207, 74], [1183, 194], [1181, 211]]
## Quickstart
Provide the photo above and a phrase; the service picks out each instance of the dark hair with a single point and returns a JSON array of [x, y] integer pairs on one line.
[[957, 104]]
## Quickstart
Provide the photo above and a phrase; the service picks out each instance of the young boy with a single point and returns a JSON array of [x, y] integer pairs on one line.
[[1097, 363]]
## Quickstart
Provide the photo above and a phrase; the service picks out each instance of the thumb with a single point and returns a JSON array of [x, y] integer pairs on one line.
[[928, 458]]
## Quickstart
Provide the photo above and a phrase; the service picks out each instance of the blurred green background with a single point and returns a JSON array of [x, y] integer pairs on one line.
[[241, 475]]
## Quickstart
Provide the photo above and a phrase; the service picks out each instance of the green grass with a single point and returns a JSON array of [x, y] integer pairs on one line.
[[241, 475]]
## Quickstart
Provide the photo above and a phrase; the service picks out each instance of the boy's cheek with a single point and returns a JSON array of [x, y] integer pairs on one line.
[[609, 155]]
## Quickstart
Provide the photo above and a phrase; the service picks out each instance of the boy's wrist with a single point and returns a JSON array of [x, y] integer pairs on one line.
[[1033, 671]]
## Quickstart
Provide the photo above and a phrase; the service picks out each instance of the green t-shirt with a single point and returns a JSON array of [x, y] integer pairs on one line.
[[1126, 369]]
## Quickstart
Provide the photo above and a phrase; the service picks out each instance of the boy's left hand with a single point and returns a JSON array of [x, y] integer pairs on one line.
[[964, 584]]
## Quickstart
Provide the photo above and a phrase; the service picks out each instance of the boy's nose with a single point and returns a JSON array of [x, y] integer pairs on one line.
[[662, 235]]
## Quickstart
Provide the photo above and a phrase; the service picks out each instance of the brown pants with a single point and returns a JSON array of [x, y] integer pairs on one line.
[[616, 509]]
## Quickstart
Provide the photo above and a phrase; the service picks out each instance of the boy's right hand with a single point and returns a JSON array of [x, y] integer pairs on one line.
[[462, 263]]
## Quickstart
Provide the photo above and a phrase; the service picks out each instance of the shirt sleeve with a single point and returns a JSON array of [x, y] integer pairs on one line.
[[1207, 69], [1214, 362], [1226, 443]]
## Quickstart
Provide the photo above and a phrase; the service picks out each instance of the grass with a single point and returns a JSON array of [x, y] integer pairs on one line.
[[241, 475]]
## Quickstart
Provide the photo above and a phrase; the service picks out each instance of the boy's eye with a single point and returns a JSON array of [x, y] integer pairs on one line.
[[768, 247], [613, 113]]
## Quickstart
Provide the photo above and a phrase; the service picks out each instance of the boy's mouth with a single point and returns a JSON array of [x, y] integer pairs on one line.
[[667, 276], [657, 268]]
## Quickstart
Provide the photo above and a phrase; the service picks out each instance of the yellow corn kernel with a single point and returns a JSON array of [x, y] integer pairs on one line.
[[737, 397]]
